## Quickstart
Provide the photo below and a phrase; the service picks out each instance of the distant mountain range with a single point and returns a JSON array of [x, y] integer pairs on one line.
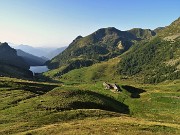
[[32, 50], [55, 52], [31, 59], [48, 53]]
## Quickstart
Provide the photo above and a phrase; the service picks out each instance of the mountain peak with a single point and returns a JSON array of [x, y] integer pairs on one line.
[[9, 56], [78, 37], [4, 44], [112, 29], [98, 46], [142, 33], [107, 30]]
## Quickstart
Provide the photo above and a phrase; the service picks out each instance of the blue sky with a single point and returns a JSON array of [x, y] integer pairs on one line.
[[58, 22]]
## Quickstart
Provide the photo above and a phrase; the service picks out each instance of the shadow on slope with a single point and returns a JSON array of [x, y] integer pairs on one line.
[[34, 87], [61, 100], [135, 92]]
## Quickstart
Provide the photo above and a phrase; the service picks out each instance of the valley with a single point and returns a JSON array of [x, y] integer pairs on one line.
[[108, 82]]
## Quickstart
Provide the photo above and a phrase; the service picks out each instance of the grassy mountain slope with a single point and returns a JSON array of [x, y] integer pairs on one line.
[[172, 30], [13, 71], [100, 45], [28, 107], [31, 59], [37, 104], [158, 29], [79, 104], [104, 71], [152, 60], [156, 60], [117, 125]]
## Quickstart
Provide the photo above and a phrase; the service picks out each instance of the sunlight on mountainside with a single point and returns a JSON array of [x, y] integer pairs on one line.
[[121, 77]]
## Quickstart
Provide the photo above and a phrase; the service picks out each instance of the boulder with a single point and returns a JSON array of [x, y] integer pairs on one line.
[[111, 86]]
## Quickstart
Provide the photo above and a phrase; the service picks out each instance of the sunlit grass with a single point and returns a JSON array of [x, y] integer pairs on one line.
[[35, 107]]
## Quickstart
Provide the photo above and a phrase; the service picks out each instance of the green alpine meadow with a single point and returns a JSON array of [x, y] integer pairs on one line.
[[115, 79]]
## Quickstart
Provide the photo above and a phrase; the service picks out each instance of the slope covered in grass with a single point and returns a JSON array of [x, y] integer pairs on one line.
[[104, 71], [33, 107], [172, 29], [27, 105], [13, 71], [101, 45], [117, 125]]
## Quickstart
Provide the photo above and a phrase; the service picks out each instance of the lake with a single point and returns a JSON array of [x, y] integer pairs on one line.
[[38, 69]]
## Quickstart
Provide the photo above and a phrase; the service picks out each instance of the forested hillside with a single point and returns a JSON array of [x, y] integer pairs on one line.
[[156, 60], [104, 44]]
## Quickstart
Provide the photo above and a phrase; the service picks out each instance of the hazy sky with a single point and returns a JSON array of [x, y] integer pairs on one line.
[[58, 22]]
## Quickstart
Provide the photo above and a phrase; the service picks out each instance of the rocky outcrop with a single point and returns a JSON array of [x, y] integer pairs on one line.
[[111, 86]]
